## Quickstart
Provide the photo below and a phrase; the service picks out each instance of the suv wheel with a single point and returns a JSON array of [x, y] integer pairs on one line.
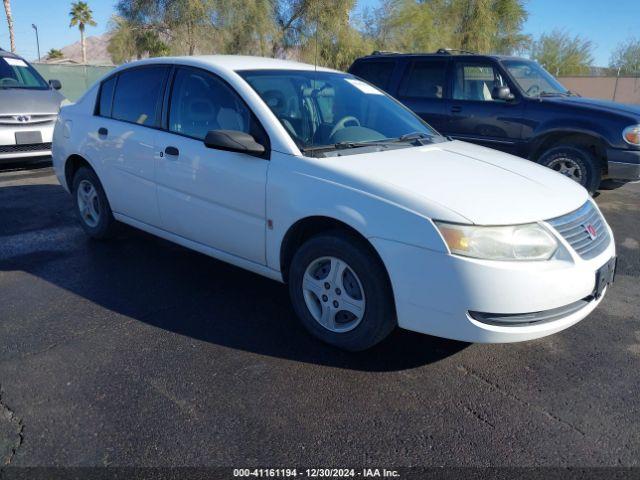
[[92, 205], [576, 163], [340, 291]]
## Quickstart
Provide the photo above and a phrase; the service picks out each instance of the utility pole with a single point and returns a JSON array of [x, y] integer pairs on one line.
[[35, 27]]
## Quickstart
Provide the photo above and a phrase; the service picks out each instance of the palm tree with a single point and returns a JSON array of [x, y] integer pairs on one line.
[[81, 15], [12, 38]]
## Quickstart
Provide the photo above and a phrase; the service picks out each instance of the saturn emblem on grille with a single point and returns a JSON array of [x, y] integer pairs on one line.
[[591, 230], [22, 118]]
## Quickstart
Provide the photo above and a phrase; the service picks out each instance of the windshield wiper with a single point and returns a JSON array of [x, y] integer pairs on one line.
[[555, 94], [407, 138]]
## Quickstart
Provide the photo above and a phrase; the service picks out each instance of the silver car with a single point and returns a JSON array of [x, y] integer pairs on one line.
[[29, 107]]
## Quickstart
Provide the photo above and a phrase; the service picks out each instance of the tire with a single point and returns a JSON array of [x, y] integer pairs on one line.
[[576, 163], [92, 206], [363, 283]]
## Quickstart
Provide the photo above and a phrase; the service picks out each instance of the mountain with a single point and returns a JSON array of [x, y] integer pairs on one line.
[[97, 53]]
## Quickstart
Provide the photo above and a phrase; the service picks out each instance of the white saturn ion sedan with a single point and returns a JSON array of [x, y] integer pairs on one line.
[[315, 178]]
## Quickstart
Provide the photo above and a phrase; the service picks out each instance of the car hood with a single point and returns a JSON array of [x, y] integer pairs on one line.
[[484, 186], [593, 103], [17, 100]]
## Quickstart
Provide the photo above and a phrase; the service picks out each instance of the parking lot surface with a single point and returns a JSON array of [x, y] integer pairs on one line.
[[139, 352]]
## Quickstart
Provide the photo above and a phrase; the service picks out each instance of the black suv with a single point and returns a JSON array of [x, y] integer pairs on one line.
[[514, 105]]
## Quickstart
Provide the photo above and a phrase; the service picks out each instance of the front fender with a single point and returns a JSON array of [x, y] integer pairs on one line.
[[293, 196]]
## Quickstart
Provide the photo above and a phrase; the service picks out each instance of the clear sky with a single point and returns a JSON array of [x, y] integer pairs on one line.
[[606, 23]]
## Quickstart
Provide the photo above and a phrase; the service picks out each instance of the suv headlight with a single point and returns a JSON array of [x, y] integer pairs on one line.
[[518, 242], [631, 135]]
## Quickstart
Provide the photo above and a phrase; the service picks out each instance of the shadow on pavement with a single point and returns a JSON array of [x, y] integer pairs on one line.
[[169, 287]]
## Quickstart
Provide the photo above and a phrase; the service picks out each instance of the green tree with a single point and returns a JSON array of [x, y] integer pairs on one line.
[[626, 56], [562, 54], [12, 37], [130, 41], [81, 16], [54, 54]]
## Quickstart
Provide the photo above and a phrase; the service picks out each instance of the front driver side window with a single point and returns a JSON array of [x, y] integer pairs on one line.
[[476, 81], [200, 102]]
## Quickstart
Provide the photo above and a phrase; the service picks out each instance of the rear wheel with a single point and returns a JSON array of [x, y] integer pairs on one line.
[[578, 164], [92, 205], [340, 291]]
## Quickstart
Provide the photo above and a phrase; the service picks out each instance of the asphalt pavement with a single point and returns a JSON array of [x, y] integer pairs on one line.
[[140, 352]]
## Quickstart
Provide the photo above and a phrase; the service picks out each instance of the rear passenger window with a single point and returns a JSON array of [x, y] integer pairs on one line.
[[378, 73], [424, 80], [106, 96], [137, 96]]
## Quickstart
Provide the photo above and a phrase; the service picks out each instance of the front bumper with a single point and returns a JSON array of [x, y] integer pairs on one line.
[[623, 164], [435, 292], [10, 151]]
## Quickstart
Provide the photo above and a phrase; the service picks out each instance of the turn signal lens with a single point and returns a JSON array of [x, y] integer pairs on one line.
[[509, 243], [631, 135]]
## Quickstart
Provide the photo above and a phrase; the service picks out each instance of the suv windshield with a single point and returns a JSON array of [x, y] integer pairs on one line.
[[325, 111], [533, 79], [16, 73]]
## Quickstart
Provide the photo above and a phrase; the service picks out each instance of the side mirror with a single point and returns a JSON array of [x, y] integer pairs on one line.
[[502, 93], [55, 84], [233, 141]]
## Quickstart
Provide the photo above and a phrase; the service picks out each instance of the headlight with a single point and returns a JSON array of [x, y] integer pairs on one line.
[[631, 135], [518, 242]]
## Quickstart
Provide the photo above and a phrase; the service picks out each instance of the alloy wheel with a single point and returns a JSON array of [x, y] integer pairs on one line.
[[88, 203], [567, 167]]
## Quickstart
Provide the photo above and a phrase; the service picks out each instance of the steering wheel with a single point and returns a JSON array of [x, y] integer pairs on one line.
[[342, 123], [533, 90]]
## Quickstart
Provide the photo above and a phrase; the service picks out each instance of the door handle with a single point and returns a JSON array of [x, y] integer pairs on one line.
[[456, 109], [103, 132], [172, 151]]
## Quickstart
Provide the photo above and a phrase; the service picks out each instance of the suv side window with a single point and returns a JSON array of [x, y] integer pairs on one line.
[[377, 73], [424, 79], [201, 102], [475, 81], [138, 95], [106, 97]]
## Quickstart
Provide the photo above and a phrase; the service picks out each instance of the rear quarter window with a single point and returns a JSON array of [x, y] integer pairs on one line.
[[103, 108], [377, 73]]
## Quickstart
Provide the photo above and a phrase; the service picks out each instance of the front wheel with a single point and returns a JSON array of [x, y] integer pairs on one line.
[[576, 163], [341, 292]]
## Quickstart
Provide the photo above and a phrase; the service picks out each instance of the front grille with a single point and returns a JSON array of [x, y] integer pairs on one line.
[[33, 147], [28, 119], [573, 228]]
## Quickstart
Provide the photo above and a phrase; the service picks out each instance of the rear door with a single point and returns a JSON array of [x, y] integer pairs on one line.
[[475, 115], [423, 89], [125, 135]]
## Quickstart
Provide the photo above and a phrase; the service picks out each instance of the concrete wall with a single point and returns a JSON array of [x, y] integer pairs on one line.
[[627, 91]]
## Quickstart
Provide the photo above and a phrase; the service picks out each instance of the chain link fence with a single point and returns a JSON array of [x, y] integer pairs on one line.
[[76, 79]]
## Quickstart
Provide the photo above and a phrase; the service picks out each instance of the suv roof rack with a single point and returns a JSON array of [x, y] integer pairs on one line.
[[385, 52], [449, 51]]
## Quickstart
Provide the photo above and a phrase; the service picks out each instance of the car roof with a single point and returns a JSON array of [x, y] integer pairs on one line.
[[465, 56], [233, 62], [4, 53]]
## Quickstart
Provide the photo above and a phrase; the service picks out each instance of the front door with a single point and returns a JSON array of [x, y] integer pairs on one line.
[[474, 115], [423, 89], [210, 196]]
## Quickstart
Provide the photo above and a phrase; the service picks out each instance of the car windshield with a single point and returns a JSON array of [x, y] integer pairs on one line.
[[330, 111], [533, 79], [16, 73]]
